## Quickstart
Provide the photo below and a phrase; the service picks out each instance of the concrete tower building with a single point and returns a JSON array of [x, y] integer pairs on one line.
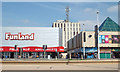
[[69, 29]]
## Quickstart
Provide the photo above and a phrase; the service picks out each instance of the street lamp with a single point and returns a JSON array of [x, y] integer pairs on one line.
[[98, 34]]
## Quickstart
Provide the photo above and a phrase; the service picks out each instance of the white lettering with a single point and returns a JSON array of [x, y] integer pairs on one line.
[[19, 36], [6, 36], [32, 36]]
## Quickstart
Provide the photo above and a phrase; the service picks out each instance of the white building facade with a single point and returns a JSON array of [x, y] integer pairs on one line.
[[69, 30], [27, 42], [39, 36]]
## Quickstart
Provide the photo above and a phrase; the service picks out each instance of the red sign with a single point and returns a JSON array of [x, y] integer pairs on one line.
[[32, 49], [8, 49], [19, 36]]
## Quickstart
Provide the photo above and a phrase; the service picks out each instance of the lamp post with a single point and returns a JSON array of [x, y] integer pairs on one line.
[[98, 34], [83, 42]]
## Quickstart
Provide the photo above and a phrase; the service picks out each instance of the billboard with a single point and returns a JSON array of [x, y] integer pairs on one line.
[[109, 39], [100, 39], [119, 38], [106, 39], [115, 39], [103, 38]]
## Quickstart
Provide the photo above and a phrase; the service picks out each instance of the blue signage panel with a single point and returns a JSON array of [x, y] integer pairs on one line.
[[89, 49], [103, 38], [100, 38]]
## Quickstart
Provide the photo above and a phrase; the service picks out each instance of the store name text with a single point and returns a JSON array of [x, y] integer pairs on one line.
[[19, 36]]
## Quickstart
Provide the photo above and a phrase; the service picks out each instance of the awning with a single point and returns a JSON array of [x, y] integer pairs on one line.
[[32, 49]]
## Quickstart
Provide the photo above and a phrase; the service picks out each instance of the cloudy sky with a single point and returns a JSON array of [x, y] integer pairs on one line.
[[43, 14]]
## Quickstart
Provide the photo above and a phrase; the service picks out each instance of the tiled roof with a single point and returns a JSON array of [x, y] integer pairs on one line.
[[109, 25]]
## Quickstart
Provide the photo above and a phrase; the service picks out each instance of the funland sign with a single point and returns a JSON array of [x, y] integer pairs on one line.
[[19, 36]]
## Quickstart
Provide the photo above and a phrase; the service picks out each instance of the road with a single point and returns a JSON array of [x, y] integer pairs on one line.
[[77, 66]]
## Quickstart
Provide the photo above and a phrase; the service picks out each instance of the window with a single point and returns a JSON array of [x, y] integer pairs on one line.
[[71, 35], [68, 25], [73, 25], [68, 29], [55, 24], [84, 37], [76, 29], [77, 32], [90, 36], [76, 25], [74, 33]]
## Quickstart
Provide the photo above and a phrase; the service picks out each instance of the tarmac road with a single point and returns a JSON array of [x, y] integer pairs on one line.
[[84, 66]]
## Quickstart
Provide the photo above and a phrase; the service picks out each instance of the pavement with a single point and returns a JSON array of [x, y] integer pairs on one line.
[[60, 61], [59, 66]]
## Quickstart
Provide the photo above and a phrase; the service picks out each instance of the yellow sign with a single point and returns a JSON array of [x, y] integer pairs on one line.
[[110, 38]]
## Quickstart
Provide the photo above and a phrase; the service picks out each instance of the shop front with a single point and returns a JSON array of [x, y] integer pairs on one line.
[[75, 53], [115, 52], [30, 41], [110, 52], [30, 52], [89, 52], [9, 52], [105, 53]]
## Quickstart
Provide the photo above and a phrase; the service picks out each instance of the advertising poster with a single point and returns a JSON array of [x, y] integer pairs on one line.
[[115, 39], [110, 38], [100, 39], [119, 38], [106, 38], [103, 38]]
